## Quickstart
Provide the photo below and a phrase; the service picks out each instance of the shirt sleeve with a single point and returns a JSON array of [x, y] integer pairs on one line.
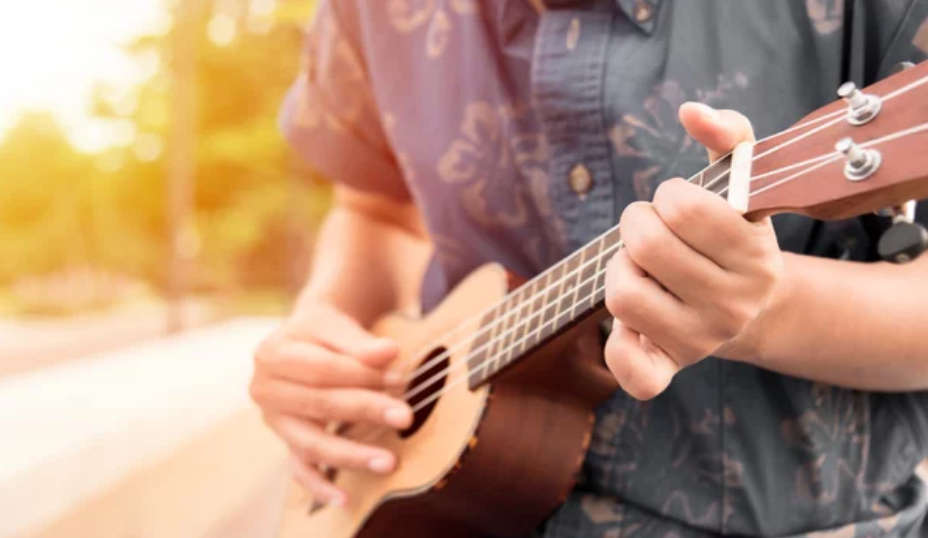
[[330, 117]]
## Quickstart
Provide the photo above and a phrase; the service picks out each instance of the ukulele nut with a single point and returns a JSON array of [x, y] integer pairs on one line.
[[861, 163], [862, 107]]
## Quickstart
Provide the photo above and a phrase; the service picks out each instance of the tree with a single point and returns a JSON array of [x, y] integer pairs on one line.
[[254, 207]]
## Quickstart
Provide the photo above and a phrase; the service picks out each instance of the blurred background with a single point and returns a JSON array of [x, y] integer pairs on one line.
[[153, 225]]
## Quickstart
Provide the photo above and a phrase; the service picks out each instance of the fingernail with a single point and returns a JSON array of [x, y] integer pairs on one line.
[[381, 464], [396, 417]]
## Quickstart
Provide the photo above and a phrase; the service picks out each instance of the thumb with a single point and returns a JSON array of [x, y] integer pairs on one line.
[[718, 130], [343, 334]]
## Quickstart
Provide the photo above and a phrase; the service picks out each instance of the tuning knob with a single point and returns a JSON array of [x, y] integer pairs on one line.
[[901, 66], [861, 163], [861, 107], [903, 242], [906, 239]]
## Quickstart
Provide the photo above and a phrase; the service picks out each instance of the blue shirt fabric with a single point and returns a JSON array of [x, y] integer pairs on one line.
[[522, 128]]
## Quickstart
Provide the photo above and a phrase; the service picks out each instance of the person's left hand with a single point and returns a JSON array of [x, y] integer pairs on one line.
[[695, 274]]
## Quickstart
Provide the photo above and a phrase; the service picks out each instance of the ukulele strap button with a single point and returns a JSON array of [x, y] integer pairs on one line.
[[861, 163], [906, 239], [861, 107]]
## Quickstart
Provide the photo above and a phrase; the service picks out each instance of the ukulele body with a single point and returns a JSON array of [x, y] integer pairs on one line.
[[494, 461]]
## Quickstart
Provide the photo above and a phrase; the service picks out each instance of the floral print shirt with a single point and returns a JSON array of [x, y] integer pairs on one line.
[[522, 128]]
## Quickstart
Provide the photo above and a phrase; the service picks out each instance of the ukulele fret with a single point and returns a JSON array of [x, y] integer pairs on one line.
[[555, 285], [566, 303], [537, 309]]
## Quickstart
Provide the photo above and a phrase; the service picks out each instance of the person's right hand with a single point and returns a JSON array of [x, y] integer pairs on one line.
[[322, 366]]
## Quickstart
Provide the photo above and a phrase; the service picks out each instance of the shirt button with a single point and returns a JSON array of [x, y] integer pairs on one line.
[[643, 11], [573, 33], [580, 180]]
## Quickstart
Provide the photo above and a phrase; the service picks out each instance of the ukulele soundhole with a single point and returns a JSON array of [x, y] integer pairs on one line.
[[425, 386]]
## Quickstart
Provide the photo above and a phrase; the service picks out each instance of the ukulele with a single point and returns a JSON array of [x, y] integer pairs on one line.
[[504, 378]]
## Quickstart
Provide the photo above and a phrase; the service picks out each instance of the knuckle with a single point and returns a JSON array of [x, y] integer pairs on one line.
[[645, 388], [768, 272], [647, 243], [675, 209], [256, 391], [632, 213], [265, 355], [311, 451], [323, 369], [339, 454], [622, 298], [374, 410], [641, 384], [612, 353], [317, 403], [667, 191]]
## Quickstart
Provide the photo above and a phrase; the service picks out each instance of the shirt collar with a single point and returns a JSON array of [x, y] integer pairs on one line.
[[642, 13]]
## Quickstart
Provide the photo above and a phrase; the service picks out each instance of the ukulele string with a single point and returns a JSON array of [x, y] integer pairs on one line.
[[505, 318], [826, 159], [566, 276], [836, 117], [461, 326]]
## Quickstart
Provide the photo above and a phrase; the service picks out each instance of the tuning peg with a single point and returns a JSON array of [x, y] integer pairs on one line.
[[900, 67], [903, 242], [861, 163], [861, 107], [906, 239]]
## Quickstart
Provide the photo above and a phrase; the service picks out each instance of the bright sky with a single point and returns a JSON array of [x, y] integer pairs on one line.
[[53, 51]]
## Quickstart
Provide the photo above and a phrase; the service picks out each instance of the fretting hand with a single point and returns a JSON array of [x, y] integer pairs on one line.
[[694, 276], [322, 366]]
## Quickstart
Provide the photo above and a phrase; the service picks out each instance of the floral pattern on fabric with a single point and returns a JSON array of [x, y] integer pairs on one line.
[[833, 436], [408, 16], [500, 150], [826, 15], [652, 142], [339, 64]]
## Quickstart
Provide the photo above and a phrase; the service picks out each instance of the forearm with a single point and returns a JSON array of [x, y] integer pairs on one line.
[[850, 324], [368, 259]]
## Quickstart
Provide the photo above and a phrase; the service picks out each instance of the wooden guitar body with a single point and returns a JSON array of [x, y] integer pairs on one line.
[[519, 441]]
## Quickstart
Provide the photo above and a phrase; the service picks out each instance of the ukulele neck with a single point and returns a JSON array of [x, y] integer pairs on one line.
[[559, 298]]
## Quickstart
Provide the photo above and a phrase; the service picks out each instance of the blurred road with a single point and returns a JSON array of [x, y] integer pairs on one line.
[[27, 344], [152, 440]]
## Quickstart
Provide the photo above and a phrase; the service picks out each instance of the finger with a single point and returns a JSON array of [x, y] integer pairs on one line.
[[312, 480], [658, 251], [317, 366], [718, 130], [642, 305], [709, 226], [343, 334], [342, 404], [642, 369], [313, 444]]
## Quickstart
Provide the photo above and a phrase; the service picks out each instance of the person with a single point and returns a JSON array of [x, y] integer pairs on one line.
[[462, 132]]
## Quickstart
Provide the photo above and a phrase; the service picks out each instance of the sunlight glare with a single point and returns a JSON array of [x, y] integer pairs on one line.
[[53, 52]]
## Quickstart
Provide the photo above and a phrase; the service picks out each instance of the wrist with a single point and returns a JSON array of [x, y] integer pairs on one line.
[[755, 344]]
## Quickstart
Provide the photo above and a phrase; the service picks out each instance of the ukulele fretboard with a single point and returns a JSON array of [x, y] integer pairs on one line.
[[558, 298]]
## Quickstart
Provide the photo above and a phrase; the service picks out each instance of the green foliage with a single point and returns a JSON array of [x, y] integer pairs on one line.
[[254, 207]]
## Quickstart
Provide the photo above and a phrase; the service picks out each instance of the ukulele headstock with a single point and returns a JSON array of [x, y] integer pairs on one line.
[[859, 154]]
